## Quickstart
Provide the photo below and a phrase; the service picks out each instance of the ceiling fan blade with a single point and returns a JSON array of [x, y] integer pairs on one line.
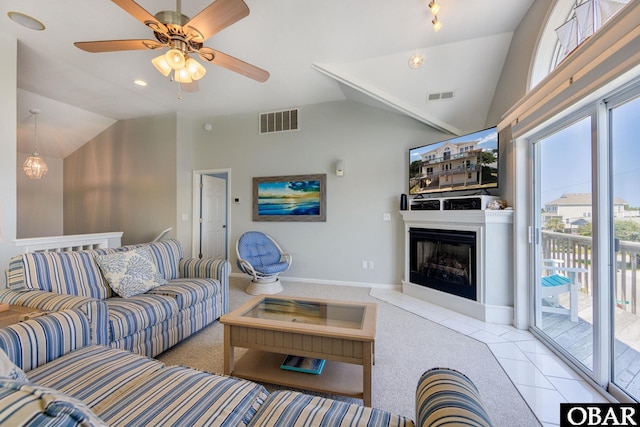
[[190, 87], [141, 14], [235, 64], [215, 17], [116, 45]]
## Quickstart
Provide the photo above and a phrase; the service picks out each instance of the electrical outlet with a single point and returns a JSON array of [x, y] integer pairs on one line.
[[365, 264], [386, 216], [371, 265]]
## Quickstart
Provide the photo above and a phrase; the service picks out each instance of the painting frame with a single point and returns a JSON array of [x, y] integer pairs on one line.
[[309, 190]]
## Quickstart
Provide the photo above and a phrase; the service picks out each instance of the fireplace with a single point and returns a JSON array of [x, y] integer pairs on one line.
[[444, 260], [467, 266]]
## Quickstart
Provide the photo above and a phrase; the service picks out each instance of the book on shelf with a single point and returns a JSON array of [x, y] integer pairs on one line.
[[307, 365]]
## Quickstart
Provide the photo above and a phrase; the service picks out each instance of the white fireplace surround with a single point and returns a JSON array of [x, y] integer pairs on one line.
[[494, 240]]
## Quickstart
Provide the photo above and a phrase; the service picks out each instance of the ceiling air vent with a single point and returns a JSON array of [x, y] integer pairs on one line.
[[279, 121], [441, 96]]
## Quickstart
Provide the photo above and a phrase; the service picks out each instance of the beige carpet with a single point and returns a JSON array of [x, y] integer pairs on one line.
[[406, 346]]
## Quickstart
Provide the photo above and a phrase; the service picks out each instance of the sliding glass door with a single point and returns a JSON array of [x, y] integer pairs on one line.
[[625, 160], [586, 240], [564, 211]]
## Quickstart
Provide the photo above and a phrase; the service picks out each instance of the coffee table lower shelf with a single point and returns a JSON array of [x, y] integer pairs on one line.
[[340, 378]]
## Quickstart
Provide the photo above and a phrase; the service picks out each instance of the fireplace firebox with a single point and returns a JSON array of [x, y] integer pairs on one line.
[[444, 260]]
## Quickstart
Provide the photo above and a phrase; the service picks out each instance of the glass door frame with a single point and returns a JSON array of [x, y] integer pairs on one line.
[[603, 255], [600, 184], [623, 95]]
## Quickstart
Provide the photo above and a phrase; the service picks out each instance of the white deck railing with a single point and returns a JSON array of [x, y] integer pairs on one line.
[[575, 251], [74, 242]]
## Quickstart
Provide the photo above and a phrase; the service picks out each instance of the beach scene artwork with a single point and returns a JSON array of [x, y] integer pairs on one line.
[[290, 199]]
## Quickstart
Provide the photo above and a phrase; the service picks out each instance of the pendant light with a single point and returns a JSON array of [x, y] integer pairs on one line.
[[35, 167]]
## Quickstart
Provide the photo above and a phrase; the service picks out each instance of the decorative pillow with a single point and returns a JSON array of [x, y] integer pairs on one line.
[[9, 370], [130, 273]]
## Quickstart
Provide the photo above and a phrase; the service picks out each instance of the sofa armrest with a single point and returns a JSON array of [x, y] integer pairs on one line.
[[95, 310], [193, 268], [37, 341], [448, 396], [218, 269]]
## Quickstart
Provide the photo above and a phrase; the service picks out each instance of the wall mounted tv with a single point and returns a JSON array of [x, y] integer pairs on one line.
[[468, 162]]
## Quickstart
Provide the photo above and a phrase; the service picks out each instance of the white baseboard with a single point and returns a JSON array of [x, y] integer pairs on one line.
[[331, 282]]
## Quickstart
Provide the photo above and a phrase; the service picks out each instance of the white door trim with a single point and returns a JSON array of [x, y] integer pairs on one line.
[[195, 231]]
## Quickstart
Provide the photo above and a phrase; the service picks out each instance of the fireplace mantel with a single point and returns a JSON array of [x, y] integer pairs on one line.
[[494, 261]]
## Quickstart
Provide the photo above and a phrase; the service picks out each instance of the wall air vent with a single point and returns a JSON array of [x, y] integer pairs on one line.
[[279, 121], [441, 96]]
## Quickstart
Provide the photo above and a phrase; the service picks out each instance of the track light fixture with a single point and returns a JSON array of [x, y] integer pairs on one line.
[[436, 24], [434, 7]]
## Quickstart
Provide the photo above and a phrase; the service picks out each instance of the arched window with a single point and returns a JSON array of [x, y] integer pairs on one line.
[[569, 24]]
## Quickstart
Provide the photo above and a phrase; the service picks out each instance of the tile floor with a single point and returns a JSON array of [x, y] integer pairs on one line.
[[543, 380]]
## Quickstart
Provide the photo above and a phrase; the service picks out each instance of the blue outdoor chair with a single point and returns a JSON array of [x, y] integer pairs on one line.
[[556, 281], [260, 257]]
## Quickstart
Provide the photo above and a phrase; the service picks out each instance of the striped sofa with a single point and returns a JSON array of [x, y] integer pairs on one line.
[[195, 294], [58, 377]]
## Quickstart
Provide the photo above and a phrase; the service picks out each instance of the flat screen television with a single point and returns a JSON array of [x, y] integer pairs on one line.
[[468, 162]]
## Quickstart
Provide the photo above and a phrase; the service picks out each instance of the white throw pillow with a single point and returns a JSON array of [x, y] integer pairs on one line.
[[9, 370], [131, 272]]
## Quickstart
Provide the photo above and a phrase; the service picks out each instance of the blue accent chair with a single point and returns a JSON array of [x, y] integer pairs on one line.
[[262, 258]]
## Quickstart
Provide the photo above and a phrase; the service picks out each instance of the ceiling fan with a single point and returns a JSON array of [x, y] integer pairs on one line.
[[184, 37]]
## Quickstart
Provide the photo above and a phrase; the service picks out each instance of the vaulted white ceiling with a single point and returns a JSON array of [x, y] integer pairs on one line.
[[315, 51]]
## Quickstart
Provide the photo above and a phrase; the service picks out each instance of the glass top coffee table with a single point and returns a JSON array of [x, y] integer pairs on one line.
[[342, 333]]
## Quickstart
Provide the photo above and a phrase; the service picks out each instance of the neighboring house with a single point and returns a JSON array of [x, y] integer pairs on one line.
[[451, 164], [575, 210]]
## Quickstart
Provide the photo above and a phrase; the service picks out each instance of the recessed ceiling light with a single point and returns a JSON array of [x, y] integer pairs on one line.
[[416, 60], [26, 21], [140, 82]]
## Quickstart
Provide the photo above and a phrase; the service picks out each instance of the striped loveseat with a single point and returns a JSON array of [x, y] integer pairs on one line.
[[52, 375], [188, 294]]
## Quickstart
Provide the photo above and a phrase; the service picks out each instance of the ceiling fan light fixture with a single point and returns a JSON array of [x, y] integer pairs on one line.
[[196, 70], [437, 25], [182, 76], [175, 58], [162, 65]]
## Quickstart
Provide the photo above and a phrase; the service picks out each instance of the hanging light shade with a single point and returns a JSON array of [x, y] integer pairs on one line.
[[175, 58], [182, 76], [162, 65], [196, 70], [35, 167]]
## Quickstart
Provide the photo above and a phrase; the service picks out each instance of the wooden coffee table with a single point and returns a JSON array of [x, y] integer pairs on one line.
[[342, 333]]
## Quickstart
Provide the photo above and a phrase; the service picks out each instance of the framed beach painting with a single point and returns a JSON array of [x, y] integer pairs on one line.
[[290, 198]]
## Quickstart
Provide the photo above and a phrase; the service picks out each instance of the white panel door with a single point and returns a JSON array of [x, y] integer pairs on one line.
[[214, 222]]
